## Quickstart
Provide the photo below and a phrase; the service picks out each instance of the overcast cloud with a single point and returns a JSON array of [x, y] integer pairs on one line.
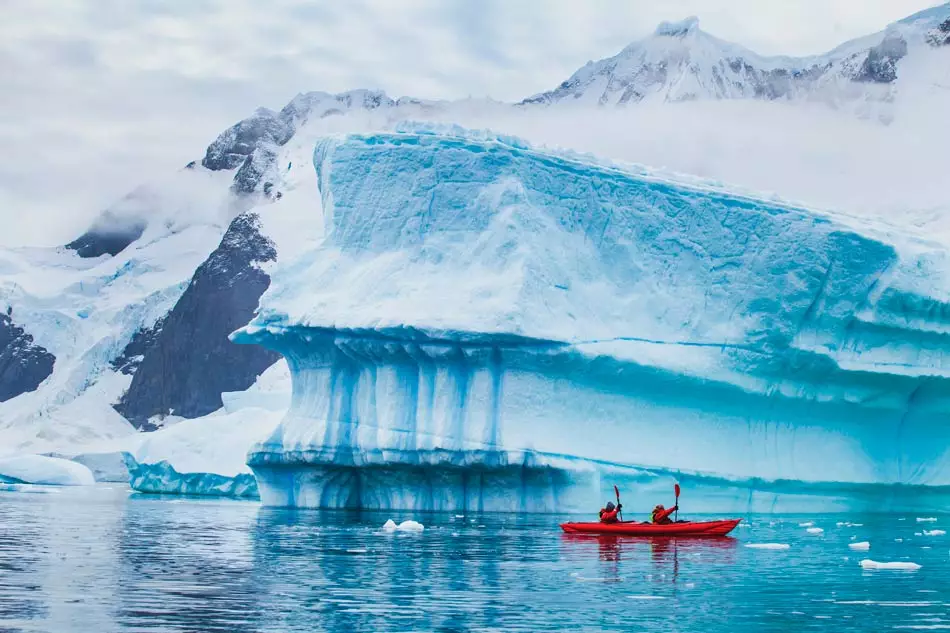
[[95, 96]]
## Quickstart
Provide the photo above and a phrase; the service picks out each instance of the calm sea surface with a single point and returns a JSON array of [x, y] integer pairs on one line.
[[102, 559]]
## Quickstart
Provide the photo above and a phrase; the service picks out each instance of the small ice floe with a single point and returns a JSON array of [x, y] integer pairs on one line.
[[926, 519], [596, 578], [887, 603], [806, 524], [867, 563], [459, 516], [863, 546], [768, 545], [814, 530], [898, 540], [647, 597], [934, 532], [405, 526], [410, 526], [357, 551], [918, 533], [848, 524]]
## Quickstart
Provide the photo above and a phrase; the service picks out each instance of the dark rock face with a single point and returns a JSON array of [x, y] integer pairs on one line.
[[23, 364], [188, 360], [881, 63], [107, 236], [254, 170], [940, 36], [138, 348], [239, 141]]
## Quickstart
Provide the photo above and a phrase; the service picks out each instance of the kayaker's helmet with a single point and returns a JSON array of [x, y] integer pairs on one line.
[[610, 506], [659, 508]]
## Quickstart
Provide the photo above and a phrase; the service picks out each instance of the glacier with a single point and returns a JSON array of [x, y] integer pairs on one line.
[[494, 326]]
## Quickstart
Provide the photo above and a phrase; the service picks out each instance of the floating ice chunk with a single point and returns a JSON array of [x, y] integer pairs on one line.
[[647, 597], [934, 532], [863, 546], [867, 563], [768, 545], [814, 530], [926, 519], [390, 526], [848, 524], [806, 524], [898, 540], [410, 526], [38, 469]]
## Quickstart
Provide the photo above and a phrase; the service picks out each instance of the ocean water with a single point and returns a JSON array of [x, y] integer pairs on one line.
[[103, 559]]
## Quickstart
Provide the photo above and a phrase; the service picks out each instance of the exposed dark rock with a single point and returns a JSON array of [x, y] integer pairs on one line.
[[881, 63], [141, 344], [239, 141], [23, 364], [108, 235], [191, 361], [260, 163], [940, 36]]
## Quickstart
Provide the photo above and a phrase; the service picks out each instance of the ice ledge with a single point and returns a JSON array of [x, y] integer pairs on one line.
[[533, 481], [162, 478]]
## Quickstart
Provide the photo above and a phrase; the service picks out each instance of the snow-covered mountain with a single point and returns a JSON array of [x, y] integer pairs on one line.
[[681, 62], [126, 328]]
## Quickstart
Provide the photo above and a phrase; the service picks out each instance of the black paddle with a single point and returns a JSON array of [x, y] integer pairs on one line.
[[676, 489], [617, 492]]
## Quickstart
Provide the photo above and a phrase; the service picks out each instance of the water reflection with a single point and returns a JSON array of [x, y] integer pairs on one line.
[[128, 563]]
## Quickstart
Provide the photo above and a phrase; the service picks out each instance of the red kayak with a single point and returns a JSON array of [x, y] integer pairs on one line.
[[633, 528]]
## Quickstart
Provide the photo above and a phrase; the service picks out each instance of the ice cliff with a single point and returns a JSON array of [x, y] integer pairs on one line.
[[489, 325]]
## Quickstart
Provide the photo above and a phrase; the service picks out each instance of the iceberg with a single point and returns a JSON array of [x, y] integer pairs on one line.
[[487, 325], [206, 456], [897, 565], [40, 469]]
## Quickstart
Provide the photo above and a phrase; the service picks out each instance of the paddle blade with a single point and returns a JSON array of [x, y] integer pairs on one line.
[[617, 492], [676, 489]]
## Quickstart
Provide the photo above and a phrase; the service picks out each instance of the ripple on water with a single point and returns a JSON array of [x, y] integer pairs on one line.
[[117, 563]]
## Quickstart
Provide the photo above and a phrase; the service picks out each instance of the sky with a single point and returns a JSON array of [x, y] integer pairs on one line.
[[96, 96]]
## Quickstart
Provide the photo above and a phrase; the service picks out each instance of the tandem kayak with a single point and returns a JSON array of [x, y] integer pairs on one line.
[[633, 528]]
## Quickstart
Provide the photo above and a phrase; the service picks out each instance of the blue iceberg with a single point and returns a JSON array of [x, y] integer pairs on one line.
[[492, 326]]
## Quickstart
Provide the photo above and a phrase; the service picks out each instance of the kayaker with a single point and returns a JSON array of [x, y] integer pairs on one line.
[[661, 516], [609, 513]]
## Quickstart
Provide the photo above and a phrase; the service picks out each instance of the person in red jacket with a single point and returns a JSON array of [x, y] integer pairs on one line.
[[609, 514], [661, 516]]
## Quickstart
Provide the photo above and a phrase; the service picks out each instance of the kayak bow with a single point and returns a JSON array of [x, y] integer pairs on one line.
[[632, 528]]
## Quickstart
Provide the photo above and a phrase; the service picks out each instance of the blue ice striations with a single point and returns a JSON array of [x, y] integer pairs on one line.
[[493, 326]]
